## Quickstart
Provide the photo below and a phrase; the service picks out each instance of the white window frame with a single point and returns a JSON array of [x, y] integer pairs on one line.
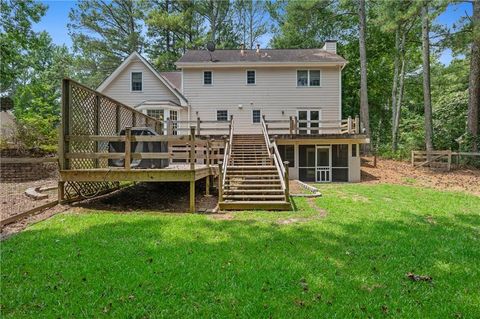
[[246, 77], [131, 83], [308, 78], [260, 121], [309, 129], [221, 111], [203, 77]]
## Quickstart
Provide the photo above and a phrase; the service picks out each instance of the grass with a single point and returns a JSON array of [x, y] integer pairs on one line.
[[350, 263]]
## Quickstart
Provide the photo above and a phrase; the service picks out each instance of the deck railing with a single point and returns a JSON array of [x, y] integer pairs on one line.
[[282, 167], [226, 159], [211, 127], [310, 127]]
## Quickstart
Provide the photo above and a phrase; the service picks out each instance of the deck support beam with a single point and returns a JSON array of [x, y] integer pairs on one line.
[[192, 196], [207, 185]]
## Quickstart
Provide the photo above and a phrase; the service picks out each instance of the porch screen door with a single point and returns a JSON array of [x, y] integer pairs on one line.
[[308, 119], [323, 170]]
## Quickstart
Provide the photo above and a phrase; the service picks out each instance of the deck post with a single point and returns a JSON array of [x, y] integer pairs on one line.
[[295, 123], [349, 125], [192, 147], [220, 180], [413, 158], [357, 125], [198, 126], [134, 119], [207, 185], [169, 126], [128, 147], [287, 182], [192, 194], [97, 127], [291, 125], [61, 192]]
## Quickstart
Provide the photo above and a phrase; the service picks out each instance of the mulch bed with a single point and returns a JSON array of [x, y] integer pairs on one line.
[[396, 172]]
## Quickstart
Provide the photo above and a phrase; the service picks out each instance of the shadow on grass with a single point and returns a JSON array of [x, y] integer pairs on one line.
[[96, 265]]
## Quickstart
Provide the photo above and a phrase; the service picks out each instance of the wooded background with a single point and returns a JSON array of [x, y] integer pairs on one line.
[[407, 99]]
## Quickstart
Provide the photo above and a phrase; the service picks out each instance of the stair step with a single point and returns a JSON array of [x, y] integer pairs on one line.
[[270, 167], [250, 196], [259, 205], [254, 186], [253, 177], [253, 192]]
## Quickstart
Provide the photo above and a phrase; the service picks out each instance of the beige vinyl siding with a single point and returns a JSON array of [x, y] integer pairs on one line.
[[275, 91], [152, 87]]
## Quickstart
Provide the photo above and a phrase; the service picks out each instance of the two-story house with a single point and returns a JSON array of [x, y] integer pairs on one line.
[[295, 93]]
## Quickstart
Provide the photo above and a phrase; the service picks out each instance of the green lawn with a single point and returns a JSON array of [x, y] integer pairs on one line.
[[351, 262]]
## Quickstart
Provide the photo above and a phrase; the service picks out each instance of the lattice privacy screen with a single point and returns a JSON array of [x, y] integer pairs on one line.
[[87, 112]]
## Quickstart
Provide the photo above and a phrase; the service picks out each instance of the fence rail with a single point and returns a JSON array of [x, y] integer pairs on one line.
[[443, 159]]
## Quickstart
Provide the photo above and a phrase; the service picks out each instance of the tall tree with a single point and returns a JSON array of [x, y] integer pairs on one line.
[[250, 16], [362, 26], [216, 13], [474, 81], [104, 33], [427, 99], [17, 40]]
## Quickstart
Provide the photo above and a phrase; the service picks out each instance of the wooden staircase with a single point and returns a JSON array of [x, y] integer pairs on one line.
[[252, 181]]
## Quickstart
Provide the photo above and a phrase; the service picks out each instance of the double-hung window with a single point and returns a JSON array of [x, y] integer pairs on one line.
[[158, 113], [222, 115], [207, 77], [136, 81], [256, 116], [308, 78], [251, 78]]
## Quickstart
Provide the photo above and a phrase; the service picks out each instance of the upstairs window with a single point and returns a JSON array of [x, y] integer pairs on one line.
[[250, 77], [222, 115], [137, 81], [308, 78], [207, 78], [256, 116]]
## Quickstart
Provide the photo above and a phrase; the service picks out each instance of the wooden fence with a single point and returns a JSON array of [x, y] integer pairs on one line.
[[445, 160]]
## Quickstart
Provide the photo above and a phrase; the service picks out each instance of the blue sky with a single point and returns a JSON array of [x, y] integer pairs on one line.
[[56, 19]]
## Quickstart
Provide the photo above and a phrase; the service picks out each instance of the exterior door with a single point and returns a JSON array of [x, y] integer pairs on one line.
[[308, 119], [323, 169]]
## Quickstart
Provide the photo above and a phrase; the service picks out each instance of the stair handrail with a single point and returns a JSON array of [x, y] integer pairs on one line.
[[227, 153], [277, 160]]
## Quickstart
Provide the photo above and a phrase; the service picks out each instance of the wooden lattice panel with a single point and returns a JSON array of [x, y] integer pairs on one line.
[[84, 190]]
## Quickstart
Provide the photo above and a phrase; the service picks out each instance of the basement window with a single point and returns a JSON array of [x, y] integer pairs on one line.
[[287, 153], [137, 81]]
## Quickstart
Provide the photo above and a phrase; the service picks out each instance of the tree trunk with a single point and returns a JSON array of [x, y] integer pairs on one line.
[[363, 68], [394, 88], [398, 107], [474, 81], [427, 103]]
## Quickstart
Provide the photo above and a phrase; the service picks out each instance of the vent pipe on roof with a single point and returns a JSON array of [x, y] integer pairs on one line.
[[242, 51], [258, 48]]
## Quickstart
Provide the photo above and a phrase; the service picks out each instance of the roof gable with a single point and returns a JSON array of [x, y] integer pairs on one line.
[[127, 61]]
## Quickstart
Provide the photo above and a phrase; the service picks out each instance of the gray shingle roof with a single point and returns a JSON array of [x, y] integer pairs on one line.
[[265, 55], [175, 78]]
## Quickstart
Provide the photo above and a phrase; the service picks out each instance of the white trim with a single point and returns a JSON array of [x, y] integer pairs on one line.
[[329, 147], [255, 64], [339, 93], [126, 62], [203, 78], [246, 77], [131, 90], [308, 78]]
